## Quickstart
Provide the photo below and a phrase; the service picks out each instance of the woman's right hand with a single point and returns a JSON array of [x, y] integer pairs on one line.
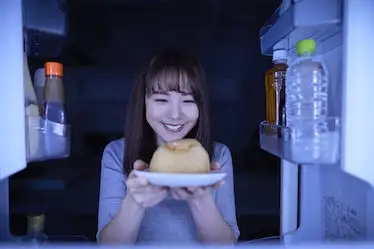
[[142, 192]]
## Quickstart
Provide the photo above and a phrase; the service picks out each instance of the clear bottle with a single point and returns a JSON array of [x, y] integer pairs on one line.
[[275, 79], [54, 96], [307, 102], [35, 230]]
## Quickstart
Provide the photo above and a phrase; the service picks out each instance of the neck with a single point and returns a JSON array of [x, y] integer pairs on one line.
[[159, 140]]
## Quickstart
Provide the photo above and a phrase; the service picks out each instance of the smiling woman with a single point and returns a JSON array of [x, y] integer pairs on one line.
[[171, 115], [168, 103], [172, 94]]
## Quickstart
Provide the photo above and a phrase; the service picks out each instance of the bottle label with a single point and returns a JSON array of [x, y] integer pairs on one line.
[[279, 80], [279, 88], [55, 128]]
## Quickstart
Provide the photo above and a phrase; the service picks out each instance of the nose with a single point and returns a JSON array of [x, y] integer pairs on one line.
[[175, 111]]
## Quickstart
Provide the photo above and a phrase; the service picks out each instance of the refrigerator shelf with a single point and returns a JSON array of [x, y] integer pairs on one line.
[[317, 19], [280, 141], [46, 140]]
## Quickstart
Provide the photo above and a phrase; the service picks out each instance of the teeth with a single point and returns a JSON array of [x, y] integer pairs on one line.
[[173, 128]]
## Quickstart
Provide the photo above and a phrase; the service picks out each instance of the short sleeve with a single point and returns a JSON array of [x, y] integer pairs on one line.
[[112, 184], [225, 195]]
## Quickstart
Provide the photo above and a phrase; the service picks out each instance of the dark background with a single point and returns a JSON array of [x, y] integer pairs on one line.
[[108, 43]]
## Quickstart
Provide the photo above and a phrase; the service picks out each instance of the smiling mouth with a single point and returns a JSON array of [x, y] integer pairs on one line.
[[173, 127]]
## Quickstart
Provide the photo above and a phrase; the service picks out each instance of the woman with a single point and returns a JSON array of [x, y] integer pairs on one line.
[[168, 102]]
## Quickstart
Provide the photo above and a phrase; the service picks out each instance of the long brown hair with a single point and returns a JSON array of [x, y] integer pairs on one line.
[[171, 70]]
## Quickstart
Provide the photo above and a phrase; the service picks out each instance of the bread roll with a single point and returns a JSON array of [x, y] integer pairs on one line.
[[182, 156]]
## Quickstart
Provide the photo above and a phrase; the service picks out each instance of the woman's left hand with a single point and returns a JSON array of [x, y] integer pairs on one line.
[[194, 193]]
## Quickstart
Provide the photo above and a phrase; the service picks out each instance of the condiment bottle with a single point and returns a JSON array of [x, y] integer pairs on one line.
[[54, 96], [54, 112]]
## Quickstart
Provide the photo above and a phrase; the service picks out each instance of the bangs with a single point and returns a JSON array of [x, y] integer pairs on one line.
[[172, 79]]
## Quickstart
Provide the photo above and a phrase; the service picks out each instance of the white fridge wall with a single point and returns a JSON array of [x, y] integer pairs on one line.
[[289, 197], [334, 206], [358, 88], [12, 125]]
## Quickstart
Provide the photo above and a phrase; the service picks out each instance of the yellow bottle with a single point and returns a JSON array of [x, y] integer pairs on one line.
[[32, 114], [35, 230]]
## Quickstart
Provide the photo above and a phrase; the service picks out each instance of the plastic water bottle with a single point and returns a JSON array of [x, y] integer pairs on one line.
[[307, 104]]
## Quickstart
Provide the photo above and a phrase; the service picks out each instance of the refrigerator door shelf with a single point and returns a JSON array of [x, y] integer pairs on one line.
[[46, 140], [291, 145], [317, 19]]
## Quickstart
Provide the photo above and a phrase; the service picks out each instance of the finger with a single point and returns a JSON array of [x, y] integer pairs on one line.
[[219, 184], [148, 191], [136, 182], [175, 195], [153, 199], [192, 189], [215, 166], [140, 165], [183, 193], [197, 191], [133, 174], [162, 195], [139, 201], [157, 190]]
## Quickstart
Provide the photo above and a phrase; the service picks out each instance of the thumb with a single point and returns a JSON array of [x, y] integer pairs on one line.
[[140, 165], [215, 166]]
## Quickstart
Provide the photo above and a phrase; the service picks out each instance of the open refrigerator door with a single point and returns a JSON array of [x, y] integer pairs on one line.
[[12, 125], [27, 135], [23, 132], [328, 200]]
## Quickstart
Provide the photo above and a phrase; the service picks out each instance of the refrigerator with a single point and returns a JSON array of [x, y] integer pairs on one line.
[[328, 198], [320, 200], [25, 136]]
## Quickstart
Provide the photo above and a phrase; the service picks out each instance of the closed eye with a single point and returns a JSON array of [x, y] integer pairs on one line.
[[189, 101], [161, 100]]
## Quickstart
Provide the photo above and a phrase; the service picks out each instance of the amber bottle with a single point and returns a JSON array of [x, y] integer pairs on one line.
[[275, 79]]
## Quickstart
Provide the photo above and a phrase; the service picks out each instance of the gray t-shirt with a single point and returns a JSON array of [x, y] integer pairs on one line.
[[170, 221]]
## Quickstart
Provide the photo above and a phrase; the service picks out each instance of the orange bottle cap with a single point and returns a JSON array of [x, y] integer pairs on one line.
[[53, 68]]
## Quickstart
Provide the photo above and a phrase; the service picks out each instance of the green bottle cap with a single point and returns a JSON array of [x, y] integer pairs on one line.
[[306, 46]]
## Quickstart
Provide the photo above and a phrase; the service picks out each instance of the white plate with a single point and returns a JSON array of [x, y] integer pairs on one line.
[[181, 180]]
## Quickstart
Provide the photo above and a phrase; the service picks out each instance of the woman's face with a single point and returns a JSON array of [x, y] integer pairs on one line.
[[171, 115]]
